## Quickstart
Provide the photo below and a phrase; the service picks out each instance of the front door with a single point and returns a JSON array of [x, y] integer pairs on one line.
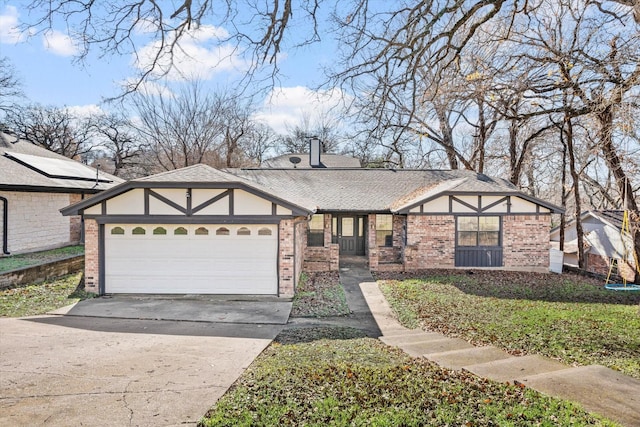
[[351, 234]]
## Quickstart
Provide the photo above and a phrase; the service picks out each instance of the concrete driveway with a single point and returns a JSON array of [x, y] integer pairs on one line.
[[71, 371]]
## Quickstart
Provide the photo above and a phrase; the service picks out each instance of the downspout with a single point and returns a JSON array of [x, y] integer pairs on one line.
[[5, 225]]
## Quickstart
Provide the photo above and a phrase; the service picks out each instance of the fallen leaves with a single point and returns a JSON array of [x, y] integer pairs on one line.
[[558, 316], [363, 382]]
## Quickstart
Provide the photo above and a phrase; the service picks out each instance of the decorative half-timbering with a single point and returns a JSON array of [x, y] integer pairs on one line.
[[203, 230]]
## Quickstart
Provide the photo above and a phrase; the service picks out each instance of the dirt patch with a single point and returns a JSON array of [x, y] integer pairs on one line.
[[320, 295]]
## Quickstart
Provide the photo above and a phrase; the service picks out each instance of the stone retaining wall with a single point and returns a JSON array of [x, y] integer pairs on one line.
[[39, 273]]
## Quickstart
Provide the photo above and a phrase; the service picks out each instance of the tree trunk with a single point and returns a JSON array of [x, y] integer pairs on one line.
[[563, 196], [575, 177], [605, 119]]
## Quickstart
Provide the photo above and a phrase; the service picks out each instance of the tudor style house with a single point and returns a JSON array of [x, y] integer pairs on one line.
[[199, 230]]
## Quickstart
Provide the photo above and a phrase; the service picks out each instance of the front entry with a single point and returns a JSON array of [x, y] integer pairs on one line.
[[350, 231]]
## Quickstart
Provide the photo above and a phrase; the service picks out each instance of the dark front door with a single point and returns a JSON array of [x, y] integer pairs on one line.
[[351, 234]]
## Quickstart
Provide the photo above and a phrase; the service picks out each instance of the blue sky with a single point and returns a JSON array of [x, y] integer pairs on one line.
[[50, 74]]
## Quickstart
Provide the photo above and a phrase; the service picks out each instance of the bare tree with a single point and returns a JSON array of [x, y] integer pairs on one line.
[[324, 127], [116, 134], [10, 86], [181, 129], [195, 126], [55, 129]]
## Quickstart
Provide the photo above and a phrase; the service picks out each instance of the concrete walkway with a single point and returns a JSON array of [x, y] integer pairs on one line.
[[596, 388]]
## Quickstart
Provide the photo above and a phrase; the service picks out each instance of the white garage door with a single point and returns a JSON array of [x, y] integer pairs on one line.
[[191, 259]]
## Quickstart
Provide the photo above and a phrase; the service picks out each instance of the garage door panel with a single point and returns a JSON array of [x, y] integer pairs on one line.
[[207, 264]]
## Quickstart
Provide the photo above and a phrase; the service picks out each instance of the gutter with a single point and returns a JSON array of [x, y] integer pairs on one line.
[[5, 225]]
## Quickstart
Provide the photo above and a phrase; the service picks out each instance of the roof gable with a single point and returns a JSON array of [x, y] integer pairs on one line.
[[196, 176]]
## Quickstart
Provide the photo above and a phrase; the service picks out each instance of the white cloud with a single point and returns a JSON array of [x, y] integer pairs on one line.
[[287, 106], [9, 26], [199, 55], [59, 43], [82, 111]]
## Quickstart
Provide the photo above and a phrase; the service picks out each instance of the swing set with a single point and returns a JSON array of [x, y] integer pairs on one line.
[[615, 263]]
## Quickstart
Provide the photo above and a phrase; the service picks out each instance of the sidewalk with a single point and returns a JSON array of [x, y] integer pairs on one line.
[[596, 388]]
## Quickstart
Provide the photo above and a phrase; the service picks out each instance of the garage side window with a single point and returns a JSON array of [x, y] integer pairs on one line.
[[222, 231], [315, 236], [117, 230], [264, 232], [138, 230], [180, 231], [159, 231], [384, 230], [201, 231], [243, 231]]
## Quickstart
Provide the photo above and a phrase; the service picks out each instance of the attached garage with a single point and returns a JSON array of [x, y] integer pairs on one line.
[[195, 230], [191, 259]]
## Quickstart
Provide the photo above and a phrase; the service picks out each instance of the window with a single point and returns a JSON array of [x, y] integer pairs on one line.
[[160, 231], [180, 231], [201, 231], [478, 231], [315, 236], [117, 230], [384, 230], [243, 231], [138, 230], [264, 232], [222, 231]]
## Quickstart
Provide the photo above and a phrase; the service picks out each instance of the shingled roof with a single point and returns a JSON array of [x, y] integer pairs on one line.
[[373, 190], [26, 167]]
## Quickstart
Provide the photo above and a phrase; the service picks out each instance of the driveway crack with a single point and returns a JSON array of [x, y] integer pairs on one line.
[[126, 404]]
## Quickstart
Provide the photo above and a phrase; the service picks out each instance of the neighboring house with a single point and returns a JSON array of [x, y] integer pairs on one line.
[[253, 231], [602, 243], [315, 158], [35, 184]]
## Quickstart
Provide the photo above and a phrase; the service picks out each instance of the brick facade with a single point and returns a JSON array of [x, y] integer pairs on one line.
[[91, 256], [526, 242], [321, 258], [387, 258], [35, 222], [430, 242]]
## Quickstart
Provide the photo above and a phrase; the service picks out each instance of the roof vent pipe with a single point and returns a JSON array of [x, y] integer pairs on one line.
[[315, 151]]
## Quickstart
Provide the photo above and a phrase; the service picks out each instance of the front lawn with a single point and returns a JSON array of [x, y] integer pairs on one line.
[[360, 381], [41, 298], [564, 317], [13, 262]]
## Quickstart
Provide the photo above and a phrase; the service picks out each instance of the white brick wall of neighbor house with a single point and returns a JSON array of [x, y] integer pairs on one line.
[[35, 221]]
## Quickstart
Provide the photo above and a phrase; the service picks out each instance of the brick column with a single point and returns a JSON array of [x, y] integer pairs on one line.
[[373, 246], [75, 221], [91, 256], [286, 259]]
